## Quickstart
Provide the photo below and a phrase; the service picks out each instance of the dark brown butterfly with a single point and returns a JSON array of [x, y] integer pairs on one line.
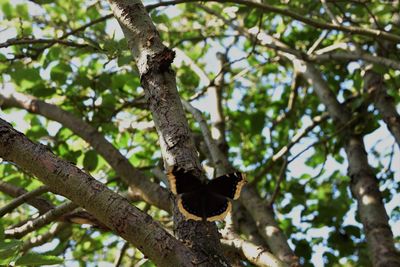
[[205, 201]]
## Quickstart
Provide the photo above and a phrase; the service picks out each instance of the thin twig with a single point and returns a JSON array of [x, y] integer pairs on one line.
[[118, 259], [41, 204], [24, 41], [42, 239], [286, 149], [281, 176], [217, 156], [22, 199], [296, 16], [46, 218]]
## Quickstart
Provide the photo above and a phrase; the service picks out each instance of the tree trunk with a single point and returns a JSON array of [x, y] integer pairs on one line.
[[153, 60]]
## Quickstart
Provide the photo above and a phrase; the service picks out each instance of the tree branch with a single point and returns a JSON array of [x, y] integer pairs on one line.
[[296, 16], [139, 183], [22, 199], [41, 204], [267, 226], [24, 41], [110, 208], [121, 254], [353, 54], [217, 118], [44, 238], [282, 174], [255, 254], [216, 155], [321, 55], [41, 221], [364, 185], [286, 149]]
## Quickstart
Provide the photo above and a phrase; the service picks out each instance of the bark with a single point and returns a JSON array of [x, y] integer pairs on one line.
[[110, 208], [138, 182], [153, 60], [244, 224], [364, 185]]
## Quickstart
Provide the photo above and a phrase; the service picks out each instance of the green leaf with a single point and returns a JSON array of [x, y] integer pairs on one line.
[[21, 73], [34, 259], [257, 121], [22, 11], [52, 55], [159, 18], [9, 250], [331, 258], [352, 230], [37, 132], [188, 77], [303, 249], [59, 73], [1, 232], [124, 60], [379, 69], [148, 263], [123, 139], [90, 161], [8, 10], [40, 90]]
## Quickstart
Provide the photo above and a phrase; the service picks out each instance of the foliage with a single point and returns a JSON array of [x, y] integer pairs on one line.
[[90, 74]]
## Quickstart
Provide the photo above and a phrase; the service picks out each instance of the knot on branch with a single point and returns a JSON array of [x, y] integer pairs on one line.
[[162, 60], [7, 140]]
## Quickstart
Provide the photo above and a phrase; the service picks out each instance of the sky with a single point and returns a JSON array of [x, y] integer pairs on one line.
[[381, 135]]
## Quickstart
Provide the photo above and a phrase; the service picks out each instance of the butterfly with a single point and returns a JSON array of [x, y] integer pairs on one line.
[[209, 201]]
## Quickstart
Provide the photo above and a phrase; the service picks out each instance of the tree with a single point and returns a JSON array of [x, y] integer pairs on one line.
[[286, 91]]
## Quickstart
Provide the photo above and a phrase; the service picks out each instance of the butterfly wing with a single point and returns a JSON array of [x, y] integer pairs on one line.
[[182, 181], [202, 205], [191, 205], [228, 185], [217, 207], [209, 202]]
